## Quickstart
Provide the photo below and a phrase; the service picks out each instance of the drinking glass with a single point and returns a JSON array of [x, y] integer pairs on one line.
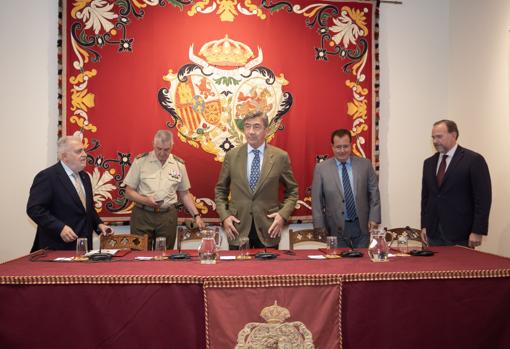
[[244, 246], [331, 243], [160, 247], [81, 249]]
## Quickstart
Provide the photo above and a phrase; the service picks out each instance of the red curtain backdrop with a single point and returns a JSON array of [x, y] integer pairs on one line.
[[131, 67]]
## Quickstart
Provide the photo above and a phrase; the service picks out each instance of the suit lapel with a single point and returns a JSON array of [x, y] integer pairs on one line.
[[355, 177], [68, 185], [267, 165], [457, 157], [241, 165], [334, 175]]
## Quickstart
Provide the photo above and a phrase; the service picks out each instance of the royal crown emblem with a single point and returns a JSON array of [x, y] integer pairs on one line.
[[208, 98], [275, 333]]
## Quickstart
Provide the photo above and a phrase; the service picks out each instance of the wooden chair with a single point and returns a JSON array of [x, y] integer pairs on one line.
[[188, 238], [413, 235], [307, 239], [125, 242]]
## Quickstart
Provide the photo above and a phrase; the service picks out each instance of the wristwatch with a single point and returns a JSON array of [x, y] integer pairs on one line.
[[196, 215]]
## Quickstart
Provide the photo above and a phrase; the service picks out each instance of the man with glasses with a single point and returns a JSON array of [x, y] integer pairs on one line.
[[345, 194]]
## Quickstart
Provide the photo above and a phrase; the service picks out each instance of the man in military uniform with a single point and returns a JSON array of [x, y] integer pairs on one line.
[[152, 183]]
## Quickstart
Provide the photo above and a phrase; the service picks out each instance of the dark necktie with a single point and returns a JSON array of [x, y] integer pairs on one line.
[[350, 205], [255, 169], [441, 171]]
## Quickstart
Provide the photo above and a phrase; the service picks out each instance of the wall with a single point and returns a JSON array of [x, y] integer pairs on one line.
[[479, 62], [438, 58], [28, 122], [414, 93]]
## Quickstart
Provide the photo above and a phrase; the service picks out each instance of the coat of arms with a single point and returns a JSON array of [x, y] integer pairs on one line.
[[275, 333], [208, 98]]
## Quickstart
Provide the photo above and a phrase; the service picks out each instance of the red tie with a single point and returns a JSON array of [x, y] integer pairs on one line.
[[441, 171]]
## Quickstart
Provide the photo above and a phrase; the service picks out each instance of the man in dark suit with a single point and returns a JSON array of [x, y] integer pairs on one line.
[[61, 201], [456, 191], [345, 194], [247, 191]]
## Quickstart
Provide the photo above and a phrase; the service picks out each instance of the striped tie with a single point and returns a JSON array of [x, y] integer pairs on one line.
[[350, 206], [79, 189], [255, 169]]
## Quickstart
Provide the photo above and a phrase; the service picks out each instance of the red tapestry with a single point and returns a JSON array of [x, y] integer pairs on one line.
[[131, 67]]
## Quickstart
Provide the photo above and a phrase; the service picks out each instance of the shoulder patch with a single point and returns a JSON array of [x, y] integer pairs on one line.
[[142, 155], [178, 159]]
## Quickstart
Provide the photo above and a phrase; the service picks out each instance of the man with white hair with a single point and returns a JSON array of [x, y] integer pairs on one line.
[[152, 183], [61, 200]]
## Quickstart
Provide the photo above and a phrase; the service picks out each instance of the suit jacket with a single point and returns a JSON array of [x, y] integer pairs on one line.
[[245, 204], [462, 203], [328, 203], [54, 202]]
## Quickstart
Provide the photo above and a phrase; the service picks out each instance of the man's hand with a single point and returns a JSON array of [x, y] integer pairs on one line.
[[475, 240], [372, 225], [230, 229], [151, 201], [276, 228], [67, 234], [199, 222], [424, 236], [104, 229]]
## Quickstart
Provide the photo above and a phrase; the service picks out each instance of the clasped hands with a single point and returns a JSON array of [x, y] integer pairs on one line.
[[275, 229]]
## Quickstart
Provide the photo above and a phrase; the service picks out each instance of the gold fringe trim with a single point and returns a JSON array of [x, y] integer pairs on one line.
[[254, 280]]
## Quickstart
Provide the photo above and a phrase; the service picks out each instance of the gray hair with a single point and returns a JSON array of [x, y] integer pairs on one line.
[[257, 114], [164, 136], [63, 144]]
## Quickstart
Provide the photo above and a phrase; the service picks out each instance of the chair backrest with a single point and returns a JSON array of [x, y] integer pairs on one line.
[[413, 235], [125, 242], [307, 239], [188, 238]]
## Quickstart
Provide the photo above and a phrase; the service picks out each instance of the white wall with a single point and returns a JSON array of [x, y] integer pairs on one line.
[[479, 94], [28, 122], [438, 58], [414, 93]]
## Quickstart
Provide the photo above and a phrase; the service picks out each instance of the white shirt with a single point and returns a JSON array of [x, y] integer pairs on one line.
[[70, 173], [450, 154], [251, 155]]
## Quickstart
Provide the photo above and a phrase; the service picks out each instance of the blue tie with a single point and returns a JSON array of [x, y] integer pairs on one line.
[[350, 206], [255, 169]]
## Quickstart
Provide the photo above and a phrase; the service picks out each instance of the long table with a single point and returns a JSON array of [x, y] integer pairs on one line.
[[457, 298]]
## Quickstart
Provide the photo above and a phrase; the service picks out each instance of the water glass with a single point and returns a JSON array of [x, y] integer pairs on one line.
[[244, 247], [160, 247], [81, 249], [403, 243], [331, 242]]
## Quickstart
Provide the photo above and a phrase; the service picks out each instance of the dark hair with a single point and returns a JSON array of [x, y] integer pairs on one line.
[[451, 126], [342, 132], [257, 114]]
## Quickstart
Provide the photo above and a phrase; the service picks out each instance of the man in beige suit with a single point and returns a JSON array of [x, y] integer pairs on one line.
[[251, 175], [345, 194]]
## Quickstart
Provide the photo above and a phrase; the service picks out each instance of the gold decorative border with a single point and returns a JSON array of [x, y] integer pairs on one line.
[[287, 280]]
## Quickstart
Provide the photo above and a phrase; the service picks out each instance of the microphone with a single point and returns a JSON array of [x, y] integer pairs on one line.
[[352, 253], [100, 256], [179, 254]]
